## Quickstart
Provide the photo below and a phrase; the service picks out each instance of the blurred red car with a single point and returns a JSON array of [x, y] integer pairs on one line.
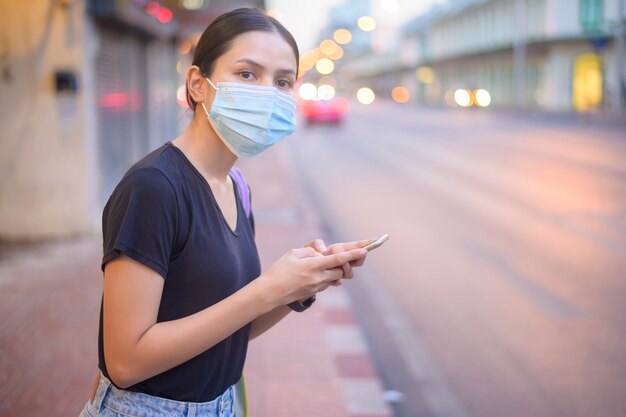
[[325, 111]]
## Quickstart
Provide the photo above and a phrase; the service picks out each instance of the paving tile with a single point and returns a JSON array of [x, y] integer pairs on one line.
[[355, 365], [346, 339], [339, 316], [363, 396]]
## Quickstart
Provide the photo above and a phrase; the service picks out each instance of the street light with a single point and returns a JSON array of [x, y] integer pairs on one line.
[[192, 4], [325, 66], [401, 94], [482, 97], [463, 97], [425, 75], [365, 95], [366, 23], [307, 91], [337, 55], [329, 47], [342, 36], [390, 6], [275, 14], [326, 92]]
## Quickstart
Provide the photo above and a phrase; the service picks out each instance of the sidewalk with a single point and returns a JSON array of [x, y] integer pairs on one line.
[[313, 364]]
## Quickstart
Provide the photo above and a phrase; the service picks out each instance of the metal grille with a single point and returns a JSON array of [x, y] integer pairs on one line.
[[121, 102]]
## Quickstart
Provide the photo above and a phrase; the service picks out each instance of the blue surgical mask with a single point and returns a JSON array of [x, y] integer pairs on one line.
[[250, 118]]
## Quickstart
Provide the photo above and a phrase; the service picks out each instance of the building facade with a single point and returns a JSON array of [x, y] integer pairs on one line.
[[554, 55], [567, 49], [87, 87]]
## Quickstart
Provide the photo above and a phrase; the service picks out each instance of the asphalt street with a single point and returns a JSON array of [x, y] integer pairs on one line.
[[501, 291]]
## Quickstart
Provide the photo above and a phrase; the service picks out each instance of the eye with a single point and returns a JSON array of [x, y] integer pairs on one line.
[[247, 75], [285, 84]]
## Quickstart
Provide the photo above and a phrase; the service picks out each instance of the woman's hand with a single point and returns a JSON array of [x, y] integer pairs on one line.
[[320, 246], [301, 273]]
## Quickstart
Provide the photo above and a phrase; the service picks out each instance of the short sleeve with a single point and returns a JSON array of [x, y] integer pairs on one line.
[[140, 220]]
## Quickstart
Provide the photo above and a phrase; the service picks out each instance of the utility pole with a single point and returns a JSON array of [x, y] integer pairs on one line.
[[619, 57], [519, 54]]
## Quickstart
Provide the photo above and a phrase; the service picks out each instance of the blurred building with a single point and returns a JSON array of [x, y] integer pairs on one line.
[[346, 16], [556, 55], [350, 45], [87, 87]]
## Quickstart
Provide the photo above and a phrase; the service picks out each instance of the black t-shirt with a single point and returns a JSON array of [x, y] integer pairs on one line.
[[164, 215]]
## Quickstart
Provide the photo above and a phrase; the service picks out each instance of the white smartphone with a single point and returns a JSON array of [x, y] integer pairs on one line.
[[376, 243]]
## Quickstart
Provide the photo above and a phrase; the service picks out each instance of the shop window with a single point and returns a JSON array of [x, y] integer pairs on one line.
[[591, 14]]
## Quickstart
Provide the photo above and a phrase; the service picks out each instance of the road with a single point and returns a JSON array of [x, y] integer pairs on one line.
[[502, 289]]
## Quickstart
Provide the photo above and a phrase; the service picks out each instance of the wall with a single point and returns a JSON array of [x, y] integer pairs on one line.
[[43, 182]]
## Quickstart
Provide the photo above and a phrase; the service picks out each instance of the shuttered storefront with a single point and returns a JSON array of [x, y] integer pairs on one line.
[[121, 104]]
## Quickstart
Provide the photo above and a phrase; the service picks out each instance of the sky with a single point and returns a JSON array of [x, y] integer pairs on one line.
[[304, 19]]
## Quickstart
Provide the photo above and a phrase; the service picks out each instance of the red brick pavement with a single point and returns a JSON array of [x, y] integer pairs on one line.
[[49, 304], [311, 364]]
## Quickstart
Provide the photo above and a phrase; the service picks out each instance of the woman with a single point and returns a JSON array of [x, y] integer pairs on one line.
[[183, 289]]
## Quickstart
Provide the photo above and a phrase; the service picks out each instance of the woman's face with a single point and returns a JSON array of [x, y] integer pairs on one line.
[[258, 58]]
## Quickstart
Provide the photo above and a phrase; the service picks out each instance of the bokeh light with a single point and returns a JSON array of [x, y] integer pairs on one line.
[[482, 97], [365, 95], [275, 14], [342, 36], [337, 55], [366, 23], [463, 97], [185, 47], [193, 4], [181, 96], [326, 92], [325, 66], [425, 75], [390, 6], [307, 91], [329, 47], [401, 94]]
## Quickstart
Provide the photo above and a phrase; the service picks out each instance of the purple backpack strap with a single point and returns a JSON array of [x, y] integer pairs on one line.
[[242, 186]]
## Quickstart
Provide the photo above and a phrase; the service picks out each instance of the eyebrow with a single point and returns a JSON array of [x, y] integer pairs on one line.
[[261, 67]]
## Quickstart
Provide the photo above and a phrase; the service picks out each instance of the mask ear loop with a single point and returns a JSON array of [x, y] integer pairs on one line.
[[205, 111], [212, 85], [203, 106]]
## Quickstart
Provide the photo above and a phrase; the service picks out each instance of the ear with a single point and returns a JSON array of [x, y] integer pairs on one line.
[[196, 84]]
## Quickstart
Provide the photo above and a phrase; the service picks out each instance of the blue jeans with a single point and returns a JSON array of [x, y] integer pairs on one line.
[[110, 401]]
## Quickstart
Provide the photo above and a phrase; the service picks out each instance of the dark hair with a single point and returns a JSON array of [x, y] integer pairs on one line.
[[218, 38]]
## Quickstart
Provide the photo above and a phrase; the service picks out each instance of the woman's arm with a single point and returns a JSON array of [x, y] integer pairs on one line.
[[262, 324], [265, 322], [136, 347]]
